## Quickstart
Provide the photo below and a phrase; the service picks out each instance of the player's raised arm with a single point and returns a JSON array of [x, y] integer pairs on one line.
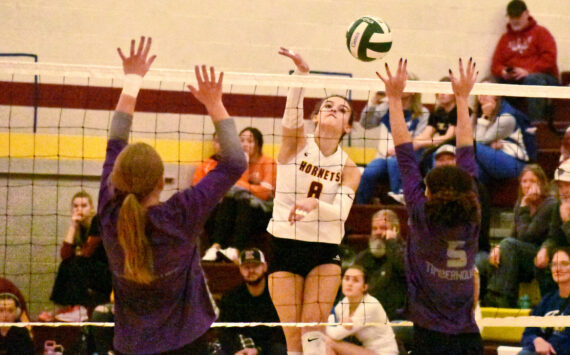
[[462, 83], [395, 85], [135, 67], [292, 124]]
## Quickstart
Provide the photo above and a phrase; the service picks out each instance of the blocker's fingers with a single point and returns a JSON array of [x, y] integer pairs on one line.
[[205, 73], [198, 75]]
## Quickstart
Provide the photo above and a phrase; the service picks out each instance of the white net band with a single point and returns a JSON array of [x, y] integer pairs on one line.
[[276, 80], [517, 322]]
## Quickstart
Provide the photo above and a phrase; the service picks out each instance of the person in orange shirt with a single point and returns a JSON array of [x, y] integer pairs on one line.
[[246, 208], [208, 164]]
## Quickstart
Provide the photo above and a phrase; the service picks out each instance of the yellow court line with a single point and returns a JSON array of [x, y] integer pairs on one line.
[[77, 147]]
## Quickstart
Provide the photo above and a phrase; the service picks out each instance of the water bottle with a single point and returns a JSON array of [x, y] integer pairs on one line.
[[524, 302]]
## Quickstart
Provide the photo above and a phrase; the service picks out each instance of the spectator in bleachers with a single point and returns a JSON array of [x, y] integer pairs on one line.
[[83, 278], [526, 54], [208, 164], [383, 262], [565, 146], [361, 309], [7, 286], [102, 337], [440, 129], [559, 228], [246, 208], [384, 166], [501, 152], [13, 340], [552, 340], [250, 302], [512, 260]]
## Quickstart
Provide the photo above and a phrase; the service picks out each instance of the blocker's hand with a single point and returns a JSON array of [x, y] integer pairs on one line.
[[395, 84], [137, 62]]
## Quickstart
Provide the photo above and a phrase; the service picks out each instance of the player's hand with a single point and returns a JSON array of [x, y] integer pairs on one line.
[[463, 83], [391, 152], [300, 63], [541, 261], [395, 84], [247, 351], [137, 62], [495, 256], [209, 91], [302, 208], [542, 347], [519, 73]]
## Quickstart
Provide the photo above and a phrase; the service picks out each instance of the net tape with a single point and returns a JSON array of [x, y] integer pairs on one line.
[[519, 322], [272, 80], [284, 80]]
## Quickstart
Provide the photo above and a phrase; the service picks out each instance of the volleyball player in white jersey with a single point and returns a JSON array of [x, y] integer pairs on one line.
[[315, 188]]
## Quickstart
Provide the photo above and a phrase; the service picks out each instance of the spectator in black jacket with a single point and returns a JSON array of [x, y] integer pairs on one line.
[[250, 302]]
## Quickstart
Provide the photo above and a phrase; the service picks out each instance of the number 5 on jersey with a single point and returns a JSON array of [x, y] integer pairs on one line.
[[456, 258]]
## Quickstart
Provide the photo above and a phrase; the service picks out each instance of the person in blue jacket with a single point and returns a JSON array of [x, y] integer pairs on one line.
[[552, 340]]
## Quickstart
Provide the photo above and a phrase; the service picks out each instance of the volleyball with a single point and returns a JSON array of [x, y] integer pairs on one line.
[[369, 38]]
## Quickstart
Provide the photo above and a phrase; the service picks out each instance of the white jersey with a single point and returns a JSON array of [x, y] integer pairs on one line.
[[379, 338], [308, 174]]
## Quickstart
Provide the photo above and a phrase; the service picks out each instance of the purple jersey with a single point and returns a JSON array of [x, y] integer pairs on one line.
[[176, 308], [440, 260]]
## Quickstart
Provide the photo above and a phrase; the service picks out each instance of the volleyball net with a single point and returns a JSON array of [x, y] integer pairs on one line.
[[54, 122]]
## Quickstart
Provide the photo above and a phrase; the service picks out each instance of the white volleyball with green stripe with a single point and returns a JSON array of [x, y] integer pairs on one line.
[[369, 38]]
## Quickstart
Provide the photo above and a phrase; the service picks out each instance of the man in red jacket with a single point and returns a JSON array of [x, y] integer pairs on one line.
[[526, 54]]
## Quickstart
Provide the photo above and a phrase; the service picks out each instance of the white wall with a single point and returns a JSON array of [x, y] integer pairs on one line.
[[245, 35]]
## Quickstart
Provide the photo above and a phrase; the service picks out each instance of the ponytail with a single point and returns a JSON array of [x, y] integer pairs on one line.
[[137, 171], [131, 235]]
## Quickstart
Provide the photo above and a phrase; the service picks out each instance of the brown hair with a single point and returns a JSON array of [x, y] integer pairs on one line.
[[83, 194], [317, 108], [540, 175], [359, 268], [452, 200], [479, 111], [137, 171]]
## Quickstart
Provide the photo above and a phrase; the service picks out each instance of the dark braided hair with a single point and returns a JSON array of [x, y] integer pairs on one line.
[[453, 200]]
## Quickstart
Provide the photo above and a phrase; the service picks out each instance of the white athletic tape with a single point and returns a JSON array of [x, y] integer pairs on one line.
[[280, 80], [517, 322], [132, 84], [300, 212]]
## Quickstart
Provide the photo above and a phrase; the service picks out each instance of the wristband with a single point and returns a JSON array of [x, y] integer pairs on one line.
[[132, 84]]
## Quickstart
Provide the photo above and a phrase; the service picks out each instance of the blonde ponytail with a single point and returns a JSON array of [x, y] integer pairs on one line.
[[132, 238], [137, 172]]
